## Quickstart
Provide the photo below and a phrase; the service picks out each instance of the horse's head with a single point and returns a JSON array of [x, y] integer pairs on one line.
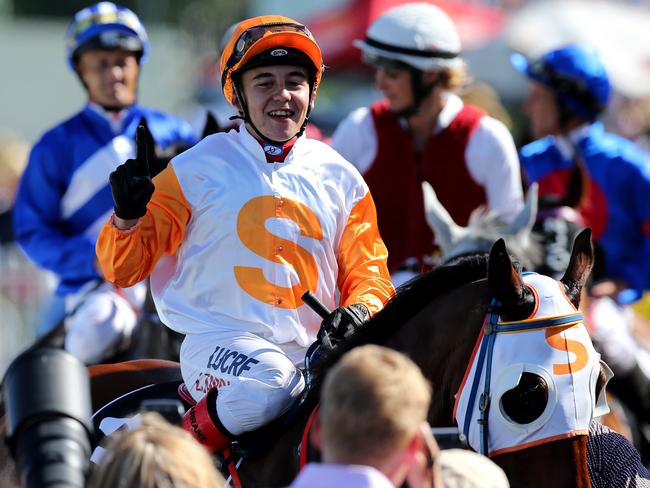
[[518, 302], [483, 229], [534, 378]]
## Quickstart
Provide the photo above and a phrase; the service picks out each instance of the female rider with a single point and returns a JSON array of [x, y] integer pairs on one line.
[[422, 131]]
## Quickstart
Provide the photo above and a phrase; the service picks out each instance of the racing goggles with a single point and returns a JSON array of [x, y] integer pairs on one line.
[[253, 34], [103, 18]]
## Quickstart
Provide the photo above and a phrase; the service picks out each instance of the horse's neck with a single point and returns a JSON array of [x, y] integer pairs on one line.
[[440, 340], [572, 471]]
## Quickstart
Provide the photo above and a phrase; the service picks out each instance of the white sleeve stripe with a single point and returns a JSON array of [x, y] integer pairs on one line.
[[493, 162]]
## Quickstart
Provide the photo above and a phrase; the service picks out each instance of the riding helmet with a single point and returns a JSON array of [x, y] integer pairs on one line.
[[271, 40], [576, 74], [105, 26], [419, 35]]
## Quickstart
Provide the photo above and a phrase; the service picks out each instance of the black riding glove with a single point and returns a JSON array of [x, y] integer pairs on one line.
[[158, 157], [344, 321], [131, 183]]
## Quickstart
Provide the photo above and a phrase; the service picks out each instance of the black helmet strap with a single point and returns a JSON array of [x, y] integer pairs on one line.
[[420, 91]]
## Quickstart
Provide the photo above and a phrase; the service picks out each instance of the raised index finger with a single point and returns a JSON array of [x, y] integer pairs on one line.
[[142, 151]]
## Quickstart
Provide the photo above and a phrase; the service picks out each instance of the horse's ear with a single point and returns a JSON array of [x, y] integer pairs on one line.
[[439, 220], [580, 265], [526, 217], [504, 280], [211, 125]]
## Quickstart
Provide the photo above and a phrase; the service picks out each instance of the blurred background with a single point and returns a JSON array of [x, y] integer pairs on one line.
[[37, 90]]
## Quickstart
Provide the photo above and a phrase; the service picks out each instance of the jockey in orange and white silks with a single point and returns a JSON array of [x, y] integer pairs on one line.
[[239, 226]]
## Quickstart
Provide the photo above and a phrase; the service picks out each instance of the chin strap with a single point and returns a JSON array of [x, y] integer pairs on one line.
[[115, 108], [420, 92]]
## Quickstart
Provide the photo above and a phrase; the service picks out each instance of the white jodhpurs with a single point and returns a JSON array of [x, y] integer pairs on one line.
[[256, 379], [100, 318]]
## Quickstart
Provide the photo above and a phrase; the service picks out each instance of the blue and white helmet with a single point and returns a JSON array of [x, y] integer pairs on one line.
[[105, 26]]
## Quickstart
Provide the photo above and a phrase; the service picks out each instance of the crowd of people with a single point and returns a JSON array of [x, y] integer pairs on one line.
[[231, 232]]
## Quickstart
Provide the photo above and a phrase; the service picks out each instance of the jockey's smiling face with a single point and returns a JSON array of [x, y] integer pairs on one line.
[[110, 77], [395, 84], [541, 108], [277, 99]]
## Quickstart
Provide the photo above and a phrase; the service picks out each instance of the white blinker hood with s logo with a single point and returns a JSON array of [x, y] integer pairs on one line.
[[562, 355]]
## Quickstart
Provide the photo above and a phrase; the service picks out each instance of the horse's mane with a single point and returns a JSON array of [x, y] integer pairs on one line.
[[410, 299], [415, 294]]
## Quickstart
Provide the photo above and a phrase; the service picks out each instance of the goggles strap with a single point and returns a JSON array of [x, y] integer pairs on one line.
[[567, 87], [250, 36], [422, 53]]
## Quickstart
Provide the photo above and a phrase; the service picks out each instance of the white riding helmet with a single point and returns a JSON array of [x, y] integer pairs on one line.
[[420, 35]]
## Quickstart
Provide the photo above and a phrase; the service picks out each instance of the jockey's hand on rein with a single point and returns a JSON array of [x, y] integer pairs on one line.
[[342, 322], [131, 183]]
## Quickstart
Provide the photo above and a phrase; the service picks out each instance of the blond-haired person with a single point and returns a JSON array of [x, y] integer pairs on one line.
[[372, 427], [155, 455]]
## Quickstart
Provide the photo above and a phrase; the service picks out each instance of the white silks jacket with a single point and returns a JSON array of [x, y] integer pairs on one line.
[[232, 241]]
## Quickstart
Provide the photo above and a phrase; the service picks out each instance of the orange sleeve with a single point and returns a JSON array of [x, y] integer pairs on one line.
[[126, 257], [363, 273]]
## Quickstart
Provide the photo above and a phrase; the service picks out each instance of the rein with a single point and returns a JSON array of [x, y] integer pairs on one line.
[[491, 327]]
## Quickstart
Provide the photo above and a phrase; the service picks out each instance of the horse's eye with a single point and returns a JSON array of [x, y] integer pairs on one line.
[[527, 401]]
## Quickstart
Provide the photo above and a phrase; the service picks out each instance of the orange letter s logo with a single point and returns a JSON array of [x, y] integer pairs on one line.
[[555, 339], [254, 235]]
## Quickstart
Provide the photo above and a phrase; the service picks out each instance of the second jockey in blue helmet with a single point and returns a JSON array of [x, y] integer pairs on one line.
[[575, 76], [64, 196], [105, 45], [569, 90]]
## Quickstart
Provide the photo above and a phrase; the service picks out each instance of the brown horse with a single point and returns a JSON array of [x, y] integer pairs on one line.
[[436, 319]]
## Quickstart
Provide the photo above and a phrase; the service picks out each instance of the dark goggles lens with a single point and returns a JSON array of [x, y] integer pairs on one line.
[[254, 34], [540, 69]]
